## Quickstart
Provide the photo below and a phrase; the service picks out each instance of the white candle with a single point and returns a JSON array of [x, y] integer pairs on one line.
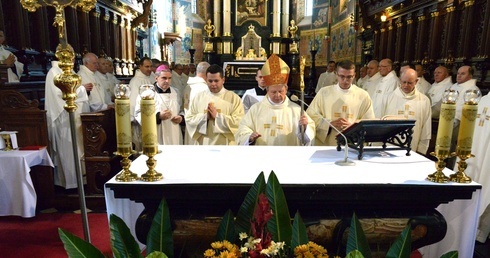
[[466, 128], [148, 126], [123, 125], [445, 129]]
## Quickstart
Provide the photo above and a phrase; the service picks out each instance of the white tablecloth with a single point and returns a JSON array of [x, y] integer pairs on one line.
[[302, 165], [17, 194]]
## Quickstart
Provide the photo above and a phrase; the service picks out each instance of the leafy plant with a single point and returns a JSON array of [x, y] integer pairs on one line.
[[278, 224], [123, 245], [293, 237]]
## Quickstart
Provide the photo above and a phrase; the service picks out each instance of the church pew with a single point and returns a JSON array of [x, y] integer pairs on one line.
[[99, 142]]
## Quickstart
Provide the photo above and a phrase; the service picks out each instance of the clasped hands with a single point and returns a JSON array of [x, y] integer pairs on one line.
[[340, 123], [9, 61], [167, 114], [212, 111]]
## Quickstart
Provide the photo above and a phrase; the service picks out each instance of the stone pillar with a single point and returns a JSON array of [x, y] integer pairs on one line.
[[217, 17], [285, 18], [276, 18]]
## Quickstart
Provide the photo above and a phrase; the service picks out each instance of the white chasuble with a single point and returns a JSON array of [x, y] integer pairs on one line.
[[219, 131], [277, 124], [415, 106], [332, 103]]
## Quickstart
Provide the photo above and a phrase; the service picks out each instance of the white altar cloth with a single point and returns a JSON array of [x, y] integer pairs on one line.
[[17, 194], [302, 165]]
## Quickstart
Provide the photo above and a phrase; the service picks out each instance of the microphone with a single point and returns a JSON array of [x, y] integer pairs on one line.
[[345, 161]]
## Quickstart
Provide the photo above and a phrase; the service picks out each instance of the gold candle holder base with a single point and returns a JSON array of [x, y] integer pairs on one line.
[[8, 142], [126, 175], [460, 176], [151, 175], [438, 176]]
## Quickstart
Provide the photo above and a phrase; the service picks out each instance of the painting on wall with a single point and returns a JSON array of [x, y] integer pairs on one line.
[[254, 10], [314, 39], [344, 42]]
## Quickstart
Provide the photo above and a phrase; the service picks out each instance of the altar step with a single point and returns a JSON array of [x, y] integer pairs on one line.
[[67, 200]]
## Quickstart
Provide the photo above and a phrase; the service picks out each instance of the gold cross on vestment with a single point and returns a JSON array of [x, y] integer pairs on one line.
[[274, 126], [483, 116], [406, 112], [343, 114]]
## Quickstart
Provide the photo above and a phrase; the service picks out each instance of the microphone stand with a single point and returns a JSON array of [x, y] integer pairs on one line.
[[346, 161]]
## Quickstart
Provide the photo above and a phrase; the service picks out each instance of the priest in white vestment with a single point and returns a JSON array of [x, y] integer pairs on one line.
[[167, 108], [141, 76], [422, 85], [339, 106], [16, 68], [179, 79], [327, 78], [385, 85], [108, 83], [479, 165], [97, 94], [372, 79], [407, 102], [363, 77], [195, 85], [275, 121], [59, 129], [214, 114], [442, 82], [255, 94]]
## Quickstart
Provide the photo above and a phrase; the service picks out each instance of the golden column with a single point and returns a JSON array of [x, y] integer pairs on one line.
[[67, 82]]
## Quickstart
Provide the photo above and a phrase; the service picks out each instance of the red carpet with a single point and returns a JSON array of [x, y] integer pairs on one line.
[[38, 236]]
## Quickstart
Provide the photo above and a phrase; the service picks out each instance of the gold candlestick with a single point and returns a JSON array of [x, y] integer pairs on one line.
[[444, 134], [465, 135], [8, 142], [149, 131], [123, 132]]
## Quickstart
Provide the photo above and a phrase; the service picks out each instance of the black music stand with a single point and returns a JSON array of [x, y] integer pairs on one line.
[[397, 132]]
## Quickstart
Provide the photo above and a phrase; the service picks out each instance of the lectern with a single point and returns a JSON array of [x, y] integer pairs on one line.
[[396, 132]]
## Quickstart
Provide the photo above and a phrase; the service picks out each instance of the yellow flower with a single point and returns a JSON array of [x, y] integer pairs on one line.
[[209, 253], [312, 250], [217, 245]]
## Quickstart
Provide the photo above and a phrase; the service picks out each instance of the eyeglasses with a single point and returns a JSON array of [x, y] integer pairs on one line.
[[343, 77]]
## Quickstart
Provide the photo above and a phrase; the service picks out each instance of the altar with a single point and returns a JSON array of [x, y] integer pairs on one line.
[[17, 194], [202, 181]]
